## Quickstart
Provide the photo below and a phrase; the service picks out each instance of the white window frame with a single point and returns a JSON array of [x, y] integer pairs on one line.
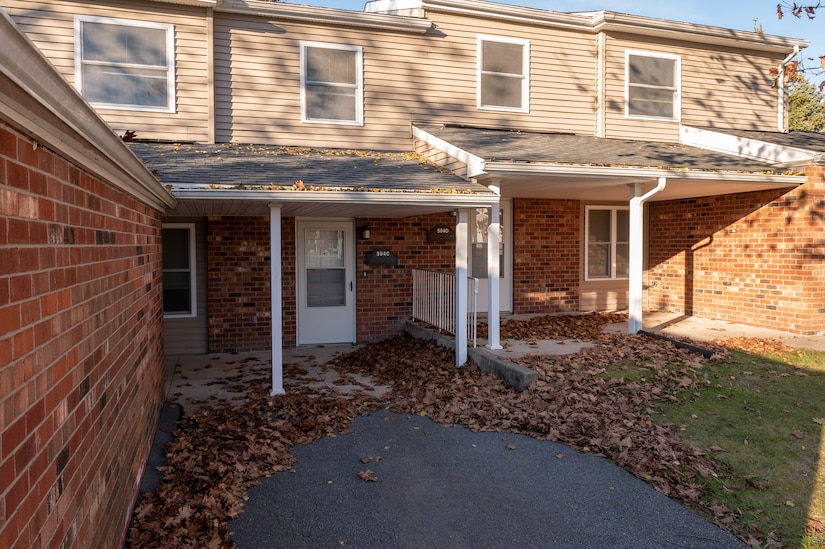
[[613, 242], [359, 85], [170, 60], [193, 267], [676, 88], [525, 73]]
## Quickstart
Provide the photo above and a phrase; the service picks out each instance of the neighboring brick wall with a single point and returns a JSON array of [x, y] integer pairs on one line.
[[238, 281], [754, 258], [81, 363], [546, 255]]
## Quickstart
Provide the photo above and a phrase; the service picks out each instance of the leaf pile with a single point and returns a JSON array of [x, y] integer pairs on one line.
[[222, 450], [589, 326], [571, 402], [582, 399]]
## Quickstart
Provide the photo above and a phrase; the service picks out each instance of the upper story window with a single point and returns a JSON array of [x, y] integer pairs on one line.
[[332, 83], [503, 74], [607, 253], [124, 64], [653, 86]]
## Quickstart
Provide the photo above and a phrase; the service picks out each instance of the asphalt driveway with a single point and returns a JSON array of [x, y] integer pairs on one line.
[[447, 487]]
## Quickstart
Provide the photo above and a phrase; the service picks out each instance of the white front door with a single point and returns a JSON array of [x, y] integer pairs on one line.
[[479, 220], [326, 293]]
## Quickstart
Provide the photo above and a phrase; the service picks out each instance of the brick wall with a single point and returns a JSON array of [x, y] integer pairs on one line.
[[546, 255], [238, 278], [238, 281], [385, 293], [81, 365], [754, 258]]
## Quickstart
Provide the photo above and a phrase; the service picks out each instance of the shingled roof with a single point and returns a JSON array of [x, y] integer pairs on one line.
[[268, 167], [570, 149]]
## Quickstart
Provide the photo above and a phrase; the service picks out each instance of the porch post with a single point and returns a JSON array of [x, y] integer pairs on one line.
[[637, 241], [493, 268], [461, 248], [275, 291], [636, 259]]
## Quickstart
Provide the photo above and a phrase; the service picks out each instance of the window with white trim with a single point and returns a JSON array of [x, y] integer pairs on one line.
[[179, 287], [332, 88], [125, 64], [607, 253], [503, 74], [652, 85]]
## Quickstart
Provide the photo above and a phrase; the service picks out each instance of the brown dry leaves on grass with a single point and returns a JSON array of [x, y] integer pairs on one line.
[[225, 448]]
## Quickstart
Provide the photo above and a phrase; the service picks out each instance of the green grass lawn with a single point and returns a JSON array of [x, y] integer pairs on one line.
[[761, 413]]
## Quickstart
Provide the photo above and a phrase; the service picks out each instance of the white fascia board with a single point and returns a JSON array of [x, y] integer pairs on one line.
[[692, 32], [638, 174], [81, 135], [744, 147], [326, 16], [196, 3], [506, 12], [475, 164], [389, 6], [338, 197]]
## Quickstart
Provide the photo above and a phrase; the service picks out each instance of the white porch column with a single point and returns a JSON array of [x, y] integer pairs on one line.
[[461, 248], [636, 267], [493, 268], [275, 291]]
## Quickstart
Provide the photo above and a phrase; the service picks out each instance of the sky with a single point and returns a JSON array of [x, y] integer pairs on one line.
[[734, 14]]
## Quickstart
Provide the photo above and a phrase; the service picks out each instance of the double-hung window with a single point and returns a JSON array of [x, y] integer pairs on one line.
[[332, 83], [503, 74], [179, 288], [652, 89], [607, 253], [125, 64]]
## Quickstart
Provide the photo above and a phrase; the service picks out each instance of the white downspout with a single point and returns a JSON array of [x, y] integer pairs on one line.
[[781, 125], [637, 240]]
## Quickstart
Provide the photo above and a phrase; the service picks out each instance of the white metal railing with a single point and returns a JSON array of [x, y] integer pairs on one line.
[[434, 301]]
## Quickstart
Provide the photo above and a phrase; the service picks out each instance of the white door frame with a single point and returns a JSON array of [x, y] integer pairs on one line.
[[506, 282]]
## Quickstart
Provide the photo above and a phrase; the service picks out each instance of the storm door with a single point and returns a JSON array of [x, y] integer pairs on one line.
[[326, 293]]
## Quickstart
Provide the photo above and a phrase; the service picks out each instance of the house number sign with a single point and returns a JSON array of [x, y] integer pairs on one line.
[[441, 233], [381, 257]]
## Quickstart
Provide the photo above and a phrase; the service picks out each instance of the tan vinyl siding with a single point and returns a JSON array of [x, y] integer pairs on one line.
[[51, 28], [188, 336], [607, 295], [720, 87], [257, 73], [407, 77], [562, 75]]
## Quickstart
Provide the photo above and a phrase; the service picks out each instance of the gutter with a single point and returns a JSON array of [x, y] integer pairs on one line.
[[636, 174], [340, 197], [65, 122], [326, 16]]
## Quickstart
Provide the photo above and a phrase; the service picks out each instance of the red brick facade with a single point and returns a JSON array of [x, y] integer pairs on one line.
[[238, 279], [546, 255], [81, 365], [755, 258]]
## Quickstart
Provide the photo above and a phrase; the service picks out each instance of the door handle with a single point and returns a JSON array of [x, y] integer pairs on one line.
[[350, 285]]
